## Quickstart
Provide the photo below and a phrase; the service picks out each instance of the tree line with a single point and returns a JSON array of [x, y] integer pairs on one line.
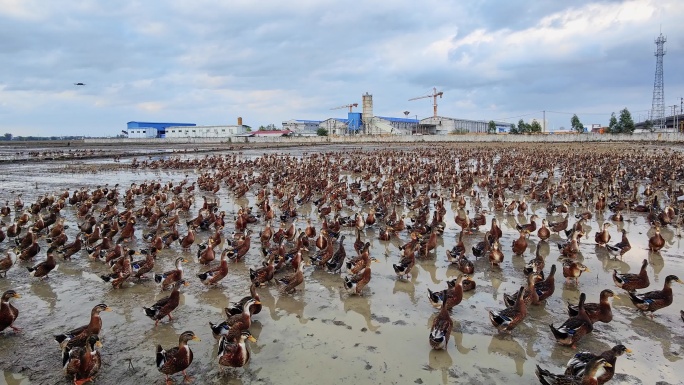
[[622, 125]]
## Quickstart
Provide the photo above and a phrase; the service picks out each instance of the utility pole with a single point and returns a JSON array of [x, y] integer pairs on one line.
[[544, 121]]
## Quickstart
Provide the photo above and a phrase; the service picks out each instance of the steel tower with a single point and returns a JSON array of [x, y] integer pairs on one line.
[[658, 106]]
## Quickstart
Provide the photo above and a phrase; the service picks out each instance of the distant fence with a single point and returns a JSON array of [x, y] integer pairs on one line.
[[552, 138]]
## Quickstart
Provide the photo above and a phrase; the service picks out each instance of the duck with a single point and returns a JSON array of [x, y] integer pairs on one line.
[[337, 261], [519, 245], [176, 359], [143, 266], [72, 248], [482, 248], [361, 261], [496, 256], [44, 268], [620, 248], [8, 313], [441, 328], [118, 278], [544, 233], [405, 265], [494, 231], [577, 365], [602, 237], [168, 278], [166, 305], [557, 227], [530, 295], [535, 265], [83, 364], [574, 328], [529, 227], [354, 284], [238, 307], [546, 287], [458, 250], [264, 274], [29, 252], [207, 255], [573, 269], [656, 242], [7, 263], [290, 282], [631, 281], [588, 378], [234, 353], [507, 319], [234, 323], [77, 337], [596, 311], [188, 239], [468, 284], [463, 264], [216, 274], [655, 300], [571, 247]]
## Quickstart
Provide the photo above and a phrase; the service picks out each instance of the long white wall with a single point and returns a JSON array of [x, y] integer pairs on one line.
[[647, 137]]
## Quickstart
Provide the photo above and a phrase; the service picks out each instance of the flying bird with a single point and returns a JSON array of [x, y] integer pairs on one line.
[[79, 84]]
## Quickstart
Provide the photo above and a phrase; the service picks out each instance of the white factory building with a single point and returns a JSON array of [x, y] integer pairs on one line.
[[204, 131]]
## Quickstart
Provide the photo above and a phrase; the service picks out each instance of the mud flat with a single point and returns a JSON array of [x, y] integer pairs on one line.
[[321, 334]]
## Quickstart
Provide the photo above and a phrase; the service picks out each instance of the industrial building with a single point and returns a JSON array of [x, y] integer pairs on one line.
[[302, 127], [149, 130], [441, 125], [141, 130]]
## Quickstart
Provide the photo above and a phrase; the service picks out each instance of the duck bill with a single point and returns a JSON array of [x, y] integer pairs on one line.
[[251, 338]]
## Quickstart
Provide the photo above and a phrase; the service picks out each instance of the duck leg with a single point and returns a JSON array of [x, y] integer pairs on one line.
[[186, 377], [83, 381], [16, 329]]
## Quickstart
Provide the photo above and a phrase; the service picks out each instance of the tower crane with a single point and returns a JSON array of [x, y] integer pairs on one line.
[[434, 96], [350, 106]]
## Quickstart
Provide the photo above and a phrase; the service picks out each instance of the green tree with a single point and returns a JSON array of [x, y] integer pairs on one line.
[[626, 123], [523, 128], [247, 128], [491, 128], [613, 124], [535, 127], [648, 125], [322, 132], [513, 129], [8, 136], [576, 124]]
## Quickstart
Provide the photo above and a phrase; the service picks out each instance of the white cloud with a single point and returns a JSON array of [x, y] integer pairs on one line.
[[208, 61]]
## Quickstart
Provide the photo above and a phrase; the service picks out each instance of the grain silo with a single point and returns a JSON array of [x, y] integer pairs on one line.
[[367, 114]]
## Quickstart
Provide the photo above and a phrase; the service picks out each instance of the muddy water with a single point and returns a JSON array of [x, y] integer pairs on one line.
[[321, 334]]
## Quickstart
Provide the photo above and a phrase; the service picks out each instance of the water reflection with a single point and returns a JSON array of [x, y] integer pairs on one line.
[[505, 345]]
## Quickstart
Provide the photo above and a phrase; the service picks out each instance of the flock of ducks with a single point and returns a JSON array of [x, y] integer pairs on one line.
[[403, 194]]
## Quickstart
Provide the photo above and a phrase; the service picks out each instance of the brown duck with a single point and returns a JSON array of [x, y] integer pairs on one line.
[[596, 311], [176, 359], [631, 281], [166, 305]]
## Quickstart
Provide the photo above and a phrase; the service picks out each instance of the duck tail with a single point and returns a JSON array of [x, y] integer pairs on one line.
[[557, 333], [150, 312], [161, 356]]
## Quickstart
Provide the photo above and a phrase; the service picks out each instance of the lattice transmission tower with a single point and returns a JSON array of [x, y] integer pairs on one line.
[[658, 105]]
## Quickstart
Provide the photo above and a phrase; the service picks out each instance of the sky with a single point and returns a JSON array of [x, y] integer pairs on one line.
[[210, 62]]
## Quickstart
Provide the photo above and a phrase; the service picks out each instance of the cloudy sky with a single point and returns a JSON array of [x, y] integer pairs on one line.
[[208, 61]]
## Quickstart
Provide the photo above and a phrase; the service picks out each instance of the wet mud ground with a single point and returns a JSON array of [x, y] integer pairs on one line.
[[321, 334]]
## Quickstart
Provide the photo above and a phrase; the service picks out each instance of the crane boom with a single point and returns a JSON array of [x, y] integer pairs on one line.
[[434, 96], [350, 106]]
